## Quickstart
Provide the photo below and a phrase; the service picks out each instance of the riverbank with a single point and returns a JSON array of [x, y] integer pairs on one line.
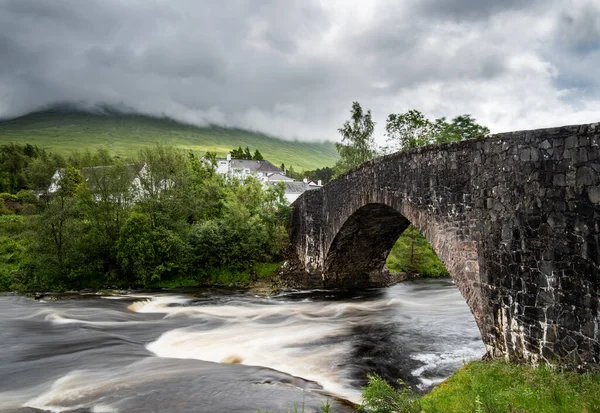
[[494, 386]]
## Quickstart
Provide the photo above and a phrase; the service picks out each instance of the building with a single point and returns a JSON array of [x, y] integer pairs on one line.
[[128, 183], [244, 168], [265, 172]]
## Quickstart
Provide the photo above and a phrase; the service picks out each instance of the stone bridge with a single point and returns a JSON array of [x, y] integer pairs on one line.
[[515, 217]]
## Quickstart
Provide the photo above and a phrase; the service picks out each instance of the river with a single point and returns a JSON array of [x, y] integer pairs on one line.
[[227, 351]]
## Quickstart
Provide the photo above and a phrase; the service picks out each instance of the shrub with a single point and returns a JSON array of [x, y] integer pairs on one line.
[[379, 396]]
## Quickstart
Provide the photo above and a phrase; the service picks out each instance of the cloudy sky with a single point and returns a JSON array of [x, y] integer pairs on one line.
[[293, 67]]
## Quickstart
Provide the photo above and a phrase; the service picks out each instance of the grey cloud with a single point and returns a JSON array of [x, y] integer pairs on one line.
[[469, 9], [293, 68]]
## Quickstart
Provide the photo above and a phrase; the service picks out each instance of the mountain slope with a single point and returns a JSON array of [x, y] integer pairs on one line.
[[64, 131]]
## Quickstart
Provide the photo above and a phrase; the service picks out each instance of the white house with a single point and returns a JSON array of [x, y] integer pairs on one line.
[[129, 183], [244, 168]]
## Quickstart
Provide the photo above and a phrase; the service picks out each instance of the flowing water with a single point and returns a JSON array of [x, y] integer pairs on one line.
[[225, 351]]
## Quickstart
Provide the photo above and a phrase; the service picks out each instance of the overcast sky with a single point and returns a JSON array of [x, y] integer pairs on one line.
[[292, 68]]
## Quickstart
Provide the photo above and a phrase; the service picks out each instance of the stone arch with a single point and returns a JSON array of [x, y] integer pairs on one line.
[[362, 245], [358, 251]]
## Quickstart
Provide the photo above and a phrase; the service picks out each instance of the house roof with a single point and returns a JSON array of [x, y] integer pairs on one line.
[[294, 187], [276, 177], [252, 165]]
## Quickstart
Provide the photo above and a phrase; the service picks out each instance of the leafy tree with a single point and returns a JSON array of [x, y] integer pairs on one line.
[[357, 145], [14, 161], [257, 156], [323, 174], [59, 219], [148, 254], [86, 159], [412, 129], [461, 128]]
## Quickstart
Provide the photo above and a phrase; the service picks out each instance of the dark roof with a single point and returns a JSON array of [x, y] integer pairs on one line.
[[294, 187], [252, 165], [276, 176]]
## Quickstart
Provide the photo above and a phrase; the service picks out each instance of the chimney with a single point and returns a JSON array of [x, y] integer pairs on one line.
[[320, 183], [228, 156], [305, 180]]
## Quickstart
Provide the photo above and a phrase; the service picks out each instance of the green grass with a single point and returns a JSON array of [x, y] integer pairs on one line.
[[413, 254], [508, 387], [65, 131], [498, 386]]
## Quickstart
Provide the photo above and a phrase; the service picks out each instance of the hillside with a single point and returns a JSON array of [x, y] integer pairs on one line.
[[65, 131]]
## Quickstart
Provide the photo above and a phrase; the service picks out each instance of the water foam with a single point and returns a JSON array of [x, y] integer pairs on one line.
[[251, 337]]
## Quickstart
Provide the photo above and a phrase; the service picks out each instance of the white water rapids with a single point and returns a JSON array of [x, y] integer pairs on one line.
[[174, 351]]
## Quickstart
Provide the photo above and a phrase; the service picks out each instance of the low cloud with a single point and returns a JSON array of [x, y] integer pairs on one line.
[[292, 69]]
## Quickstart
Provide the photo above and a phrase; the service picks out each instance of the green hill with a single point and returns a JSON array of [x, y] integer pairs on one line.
[[64, 131]]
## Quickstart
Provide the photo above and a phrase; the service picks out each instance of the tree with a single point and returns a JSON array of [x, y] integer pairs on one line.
[[148, 254], [257, 156], [412, 129], [58, 217], [247, 154], [323, 174], [461, 128], [357, 145], [237, 153]]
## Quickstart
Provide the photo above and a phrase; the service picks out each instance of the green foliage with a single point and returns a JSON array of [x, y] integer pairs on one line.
[[490, 387], [15, 240], [240, 153], [168, 219], [258, 156], [357, 145], [148, 254], [412, 129], [379, 396], [320, 174], [413, 254], [22, 165], [506, 387]]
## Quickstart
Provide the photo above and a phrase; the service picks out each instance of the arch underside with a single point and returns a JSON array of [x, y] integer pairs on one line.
[[361, 246]]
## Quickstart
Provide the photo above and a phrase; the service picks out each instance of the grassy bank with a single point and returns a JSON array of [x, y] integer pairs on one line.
[[226, 277], [490, 387], [414, 255]]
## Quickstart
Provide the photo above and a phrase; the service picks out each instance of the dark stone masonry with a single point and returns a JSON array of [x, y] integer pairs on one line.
[[515, 217]]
